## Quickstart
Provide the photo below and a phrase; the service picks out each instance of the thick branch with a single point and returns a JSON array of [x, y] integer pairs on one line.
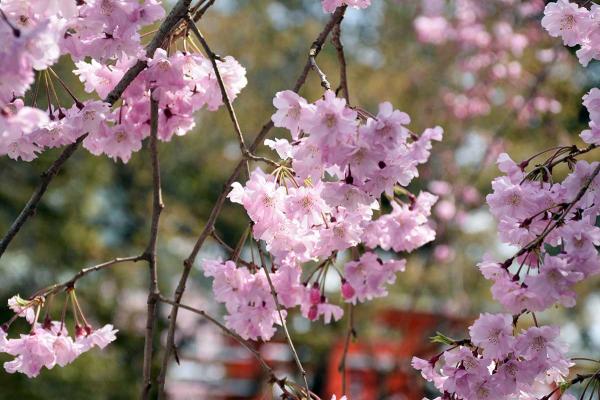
[[150, 253], [36, 197], [178, 12], [208, 228]]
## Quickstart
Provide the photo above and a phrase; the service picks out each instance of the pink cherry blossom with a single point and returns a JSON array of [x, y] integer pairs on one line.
[[369, 276], [493, 332], [292, 110], [405, 228], [332, 123], [97, 337], [565, 19], [23, 308], [32, 352]]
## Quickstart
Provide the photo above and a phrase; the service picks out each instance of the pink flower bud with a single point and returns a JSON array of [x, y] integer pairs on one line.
[[347, 290], [312, 313], [80, 331], [315, 295]]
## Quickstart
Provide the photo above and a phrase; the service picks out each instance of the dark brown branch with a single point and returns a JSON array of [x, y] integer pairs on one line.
[[70, 284], [213, 59], [31, 206], [578, 379], [203, 10], [189, 262], [151, 250], [336, 39], [232, 251], [172, 20], [178, 12]]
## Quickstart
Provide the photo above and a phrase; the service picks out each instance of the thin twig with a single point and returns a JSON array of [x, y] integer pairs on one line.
[[336, 39], [231, 250], [151, 251], [350, 333], [538, 240], [288, 337], [189, 261], [578, 379], [226, 100], [70, 284], [282, 383], [178, 12], [225, 329], [322, 77]]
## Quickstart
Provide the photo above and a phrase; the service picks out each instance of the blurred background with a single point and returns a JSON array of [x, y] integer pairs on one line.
[[501, 86]]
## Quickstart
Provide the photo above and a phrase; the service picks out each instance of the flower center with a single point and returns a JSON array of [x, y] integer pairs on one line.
[[294, 112], [89, 115], [330, 120], [107, 7], [514, 199], [306, 202], [538, 343], [339, 231], [120, 136], [567, 22], [267, 201], [494, 336]]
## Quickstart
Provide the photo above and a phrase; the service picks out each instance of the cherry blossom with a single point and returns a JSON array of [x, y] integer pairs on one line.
[[565, 19], [506, 366], [367, 277], [576, 26]]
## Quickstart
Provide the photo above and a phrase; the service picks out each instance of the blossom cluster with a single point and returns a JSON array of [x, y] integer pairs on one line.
[[526, 210], [181, 83], [496, 363], [554, 225], [324, 201], [105, 33], [577, 26], [35, 33], [592, 102], [47, 344], [490, 54]]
